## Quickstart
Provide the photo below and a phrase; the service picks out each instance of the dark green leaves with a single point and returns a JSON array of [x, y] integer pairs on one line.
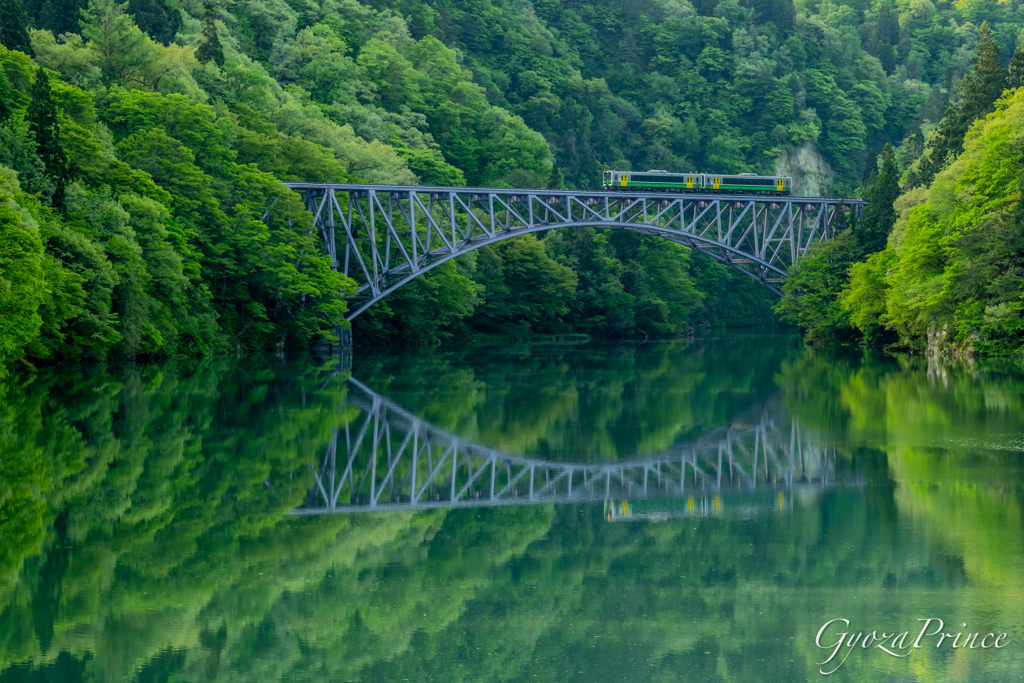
[[45, 129]]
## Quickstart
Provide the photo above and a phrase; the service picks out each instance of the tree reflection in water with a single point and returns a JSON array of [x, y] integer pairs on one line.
[[146, 535]]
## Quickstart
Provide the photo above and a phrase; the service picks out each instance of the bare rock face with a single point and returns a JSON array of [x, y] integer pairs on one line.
[[941, 344], [812, 175]]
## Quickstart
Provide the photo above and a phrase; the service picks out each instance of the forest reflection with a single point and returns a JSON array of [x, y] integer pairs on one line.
[[146, 535]]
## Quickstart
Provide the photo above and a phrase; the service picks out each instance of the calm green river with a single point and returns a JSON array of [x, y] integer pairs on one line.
[[733, 508]]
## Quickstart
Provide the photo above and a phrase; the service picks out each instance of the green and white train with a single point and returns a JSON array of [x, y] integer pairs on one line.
[[704, 183]]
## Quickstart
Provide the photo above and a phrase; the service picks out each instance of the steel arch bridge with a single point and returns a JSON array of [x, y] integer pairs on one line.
[[383, 236], [387, 459]]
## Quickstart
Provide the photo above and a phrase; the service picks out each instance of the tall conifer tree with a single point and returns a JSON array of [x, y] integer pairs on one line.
[[986, 83], [887, 35], [880, 215], [14, 26], [978, 96], [45, 128], [210, 47], [8, 98], [120, 46], [1015, 79], [555, 180]]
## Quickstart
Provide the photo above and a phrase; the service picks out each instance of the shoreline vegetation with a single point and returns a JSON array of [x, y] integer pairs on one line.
[[142, 142], [936, 267]]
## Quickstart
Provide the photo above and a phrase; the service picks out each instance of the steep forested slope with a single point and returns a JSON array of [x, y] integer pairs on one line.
[[936, 263], [142, 143], [952, 275], [717, 84]]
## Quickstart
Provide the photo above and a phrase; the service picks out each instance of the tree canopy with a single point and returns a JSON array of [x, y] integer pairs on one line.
[[188, 116]]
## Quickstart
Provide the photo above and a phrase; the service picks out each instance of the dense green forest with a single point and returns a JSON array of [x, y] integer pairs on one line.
[[141, 144], [937, 263]]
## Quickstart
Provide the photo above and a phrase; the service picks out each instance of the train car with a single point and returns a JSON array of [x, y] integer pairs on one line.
[[749, 183], [660, 509], [654, 180], [705, 183]]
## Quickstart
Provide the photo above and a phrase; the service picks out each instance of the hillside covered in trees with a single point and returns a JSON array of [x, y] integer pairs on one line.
[[141, 144], [936, 265]]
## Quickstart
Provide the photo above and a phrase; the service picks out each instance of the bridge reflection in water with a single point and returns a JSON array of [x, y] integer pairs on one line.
[[387, 459]]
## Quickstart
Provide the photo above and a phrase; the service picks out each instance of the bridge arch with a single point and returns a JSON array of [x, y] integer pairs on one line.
[[388, 459], [409, 277], [384, 236]]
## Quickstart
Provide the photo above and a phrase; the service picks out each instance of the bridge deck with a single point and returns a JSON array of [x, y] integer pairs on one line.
[[631, 192]]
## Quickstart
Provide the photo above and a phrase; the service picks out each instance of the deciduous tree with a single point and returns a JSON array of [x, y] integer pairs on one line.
[[811, 294]]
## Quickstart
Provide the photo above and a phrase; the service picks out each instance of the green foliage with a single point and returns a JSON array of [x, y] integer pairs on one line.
[[885, 40], [602, 303], [428, 309], [881, 192], [122, 51], [556, 181], [525, 289], [156, 18], [57, 16], [952, 276], [407, 91], [8, 98], [18, 151], [22, 280], [948, 279], [863, 297], [811, 294], [1015, 77], [44, 127], [14, 26], [977, 97], [210, 49], [730, 298]]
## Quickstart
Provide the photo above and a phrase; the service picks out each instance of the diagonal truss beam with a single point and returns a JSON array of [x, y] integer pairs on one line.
[[761, 449]]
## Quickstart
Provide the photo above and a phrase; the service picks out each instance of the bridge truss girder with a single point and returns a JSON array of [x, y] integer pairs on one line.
[[387, 459], [383, 236]]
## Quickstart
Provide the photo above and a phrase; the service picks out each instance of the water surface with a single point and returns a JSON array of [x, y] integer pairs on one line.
[[728, 497]]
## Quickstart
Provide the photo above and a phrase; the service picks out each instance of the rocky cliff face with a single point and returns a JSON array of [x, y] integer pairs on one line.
[[942, 344], [812, 176]]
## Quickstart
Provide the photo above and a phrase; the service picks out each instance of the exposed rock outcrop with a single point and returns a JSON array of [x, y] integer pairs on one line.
[[811, 173], [942, 344]]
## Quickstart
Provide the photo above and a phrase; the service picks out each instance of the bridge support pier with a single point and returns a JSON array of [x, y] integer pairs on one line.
[[344, 348]]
